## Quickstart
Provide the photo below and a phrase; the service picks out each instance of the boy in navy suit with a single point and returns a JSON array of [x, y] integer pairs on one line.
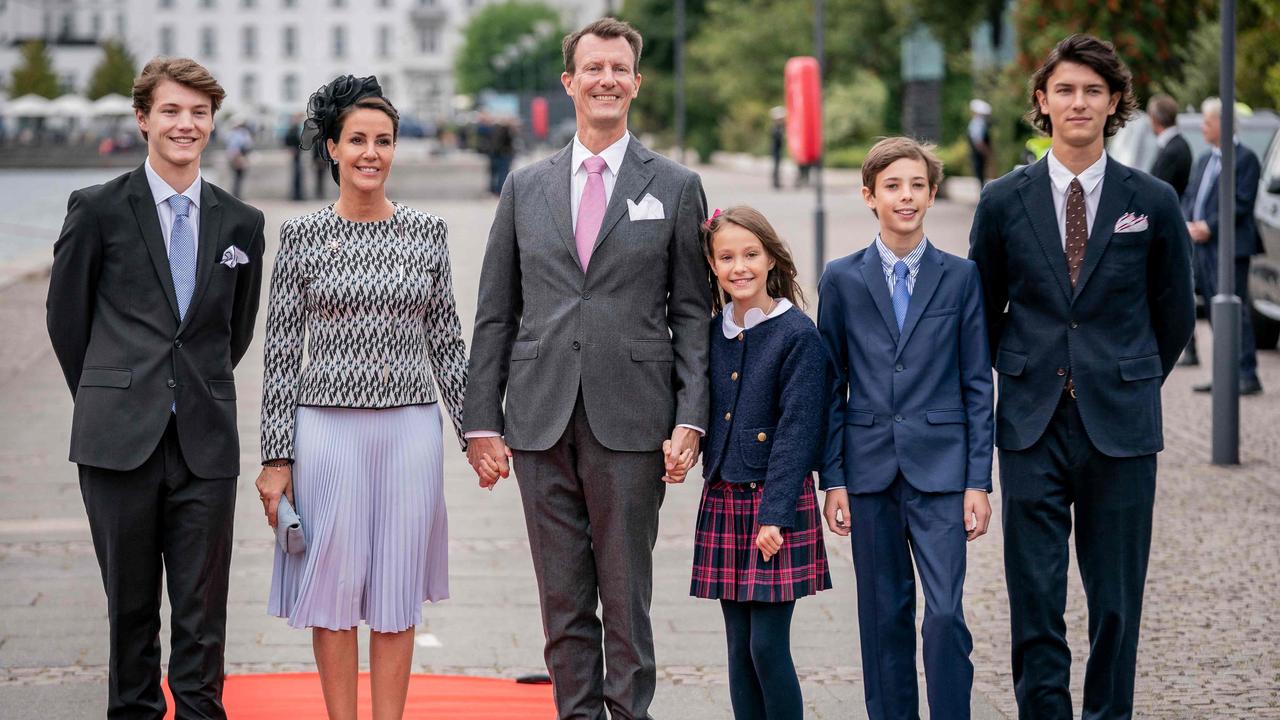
[[907, 466]]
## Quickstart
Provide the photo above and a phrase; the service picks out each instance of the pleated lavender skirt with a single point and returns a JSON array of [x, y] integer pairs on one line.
[[369, 487]]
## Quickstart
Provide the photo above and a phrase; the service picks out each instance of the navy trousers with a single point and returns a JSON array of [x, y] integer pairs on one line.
[[1113, 500], [889, 529]]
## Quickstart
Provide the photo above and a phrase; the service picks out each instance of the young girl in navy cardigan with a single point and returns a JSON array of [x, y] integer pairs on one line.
[[759, 543]]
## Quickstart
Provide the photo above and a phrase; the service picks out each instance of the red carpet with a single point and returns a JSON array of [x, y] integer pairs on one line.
[[297, 696]]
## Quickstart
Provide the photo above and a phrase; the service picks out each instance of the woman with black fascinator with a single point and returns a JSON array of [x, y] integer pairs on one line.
[[353, 439]]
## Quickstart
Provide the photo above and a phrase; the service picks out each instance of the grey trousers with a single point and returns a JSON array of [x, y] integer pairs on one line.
[[592, 517]]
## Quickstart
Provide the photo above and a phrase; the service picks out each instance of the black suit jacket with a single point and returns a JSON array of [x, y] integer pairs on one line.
[[1117, 333], [113, 319], [1173, 164], [1248, 170]]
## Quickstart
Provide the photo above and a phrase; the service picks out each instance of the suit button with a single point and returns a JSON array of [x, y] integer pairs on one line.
[[899, 367], [762, 437], [728, 416], [1062, 372], [177, 344], [897, 418], [172, 383], [1074, 324], [586, 296], [576, 345], [753, 486], [740, 337], [733, 376]]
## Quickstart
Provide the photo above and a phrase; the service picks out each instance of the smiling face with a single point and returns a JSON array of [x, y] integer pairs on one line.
[[364, 150], [901, 197], [741, 266], [177, 127], [1078, 102], [603, 83]]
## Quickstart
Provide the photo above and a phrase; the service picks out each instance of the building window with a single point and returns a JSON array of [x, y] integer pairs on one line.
[[68, 25], [339, 41], [95, 25], [289, 88], [208, 42], [249, 41], [289, 41], [208, 4], [384, 41], [426, 3], [289, 3], [428, 40], [166, 40], [248, 3], [384, 3], [250, 87], [338, 3], [165, 4], [121, 27]]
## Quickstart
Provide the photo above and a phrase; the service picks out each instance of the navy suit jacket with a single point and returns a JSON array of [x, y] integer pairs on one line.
[[1248, 170], [1117, 333], [918, 401]]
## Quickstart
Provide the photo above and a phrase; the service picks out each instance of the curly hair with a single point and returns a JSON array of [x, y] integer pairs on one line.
[[1097, 55]]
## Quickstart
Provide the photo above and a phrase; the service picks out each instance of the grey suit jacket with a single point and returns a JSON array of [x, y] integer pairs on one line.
[[630, 333]]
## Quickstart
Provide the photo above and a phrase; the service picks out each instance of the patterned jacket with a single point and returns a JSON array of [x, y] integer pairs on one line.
[[376, 299]]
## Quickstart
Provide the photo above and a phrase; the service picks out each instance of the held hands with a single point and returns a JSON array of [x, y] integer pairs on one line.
[[273, 482], [835, 508], [679, 454], [977, 514], [769, 541], [490, 458]]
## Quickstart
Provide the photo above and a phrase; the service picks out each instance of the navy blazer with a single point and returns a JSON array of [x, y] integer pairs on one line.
[[768, 409], [1117, 333], [1248, 170], [917, 402]]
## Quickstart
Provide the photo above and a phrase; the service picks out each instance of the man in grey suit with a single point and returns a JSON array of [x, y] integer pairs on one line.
[[592, 322]]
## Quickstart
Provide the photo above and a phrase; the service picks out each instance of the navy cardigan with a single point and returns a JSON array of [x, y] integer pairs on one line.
[[768, 410]]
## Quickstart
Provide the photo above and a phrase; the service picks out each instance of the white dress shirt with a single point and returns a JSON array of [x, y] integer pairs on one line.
[[161, 192], [612, 155], [1090, 180], [753, 317], [888, 259]]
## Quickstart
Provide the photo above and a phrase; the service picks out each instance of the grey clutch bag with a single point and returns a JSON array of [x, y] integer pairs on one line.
[[289, 529]]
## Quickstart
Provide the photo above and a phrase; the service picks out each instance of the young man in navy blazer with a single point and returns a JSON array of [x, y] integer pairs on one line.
[[1087, 275], [907, 466]]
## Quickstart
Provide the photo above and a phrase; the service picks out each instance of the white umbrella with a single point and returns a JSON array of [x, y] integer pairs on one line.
[[112, 105], [71, 106], [28, 106]]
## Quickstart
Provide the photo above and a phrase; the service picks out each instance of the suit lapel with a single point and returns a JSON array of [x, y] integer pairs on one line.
[[1116, 194], [873, 276], [556, 184], [207, 248], [926, 284], [144, 211], [633, 177], [1037, 201]]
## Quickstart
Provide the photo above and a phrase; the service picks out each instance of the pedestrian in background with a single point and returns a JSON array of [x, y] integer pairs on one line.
[[758, 544], [777, 142], [1172, 165], [152, 301], [292, 140], [1086, 273], [353, 439], [979, 136], [239, 145]]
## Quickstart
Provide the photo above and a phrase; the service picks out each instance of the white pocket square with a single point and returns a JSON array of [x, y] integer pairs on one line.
[[234, 256], [649, 208], [1131, 222]]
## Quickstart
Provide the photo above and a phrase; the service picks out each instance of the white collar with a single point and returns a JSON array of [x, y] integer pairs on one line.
[[1089, 178], [612, 155], [1166, 135], [161, 191], [754, 317]]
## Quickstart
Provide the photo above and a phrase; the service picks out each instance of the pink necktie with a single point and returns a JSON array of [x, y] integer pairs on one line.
[[590, 209]]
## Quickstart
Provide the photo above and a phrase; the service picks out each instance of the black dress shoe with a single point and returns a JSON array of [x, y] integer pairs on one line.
[[1203, 387], [1250, 386]]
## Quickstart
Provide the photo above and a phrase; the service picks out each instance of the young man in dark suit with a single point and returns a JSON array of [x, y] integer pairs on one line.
[[1086, 270], [152, 300]]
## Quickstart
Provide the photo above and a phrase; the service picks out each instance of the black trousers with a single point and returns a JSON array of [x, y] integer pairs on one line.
[[155, 520], [1206, 272], [1113, 500], [592, 517]]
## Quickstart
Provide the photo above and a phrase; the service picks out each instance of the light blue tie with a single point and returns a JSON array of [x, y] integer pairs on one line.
[[182, 252], [901, 295], [1211, 171]]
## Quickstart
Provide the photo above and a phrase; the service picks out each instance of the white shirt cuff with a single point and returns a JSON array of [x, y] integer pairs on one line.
[[695, 428], [481, 434]]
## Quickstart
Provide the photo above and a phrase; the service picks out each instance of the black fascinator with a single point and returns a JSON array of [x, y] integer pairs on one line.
[[327, 104]]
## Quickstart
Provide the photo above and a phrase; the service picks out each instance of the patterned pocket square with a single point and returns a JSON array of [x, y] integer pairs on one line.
[[1131, 222], [234, 256]]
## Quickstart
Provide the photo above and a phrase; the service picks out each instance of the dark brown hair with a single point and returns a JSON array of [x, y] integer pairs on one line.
[[1163, 109], [606, 28], [1097, 55], [183, 71], [781, 281], [890, 150], [371, 102]]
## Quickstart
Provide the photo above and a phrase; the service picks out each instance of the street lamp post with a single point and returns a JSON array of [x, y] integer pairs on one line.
[[679, 72], [819, 212], [1226, 307]]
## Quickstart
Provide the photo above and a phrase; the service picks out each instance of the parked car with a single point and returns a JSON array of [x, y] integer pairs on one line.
[[1135, 144], [1264, 272]]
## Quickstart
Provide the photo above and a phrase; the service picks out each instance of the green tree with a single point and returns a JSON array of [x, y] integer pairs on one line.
[[34, 74], [491, 31], [114, 73]]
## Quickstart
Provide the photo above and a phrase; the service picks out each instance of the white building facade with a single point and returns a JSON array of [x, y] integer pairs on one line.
[[270, 55]]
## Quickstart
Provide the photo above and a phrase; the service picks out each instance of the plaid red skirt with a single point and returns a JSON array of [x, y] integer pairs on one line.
[[728, 566]]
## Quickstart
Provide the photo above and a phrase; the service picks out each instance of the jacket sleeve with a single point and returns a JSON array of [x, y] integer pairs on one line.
[[244, 310], [286, 335], [499, 305], [689, 306], [831, 327], [444, 332], [1248, 170], [1170, 288], [986, 248], [798, 436], [977, 387], [73, 287]]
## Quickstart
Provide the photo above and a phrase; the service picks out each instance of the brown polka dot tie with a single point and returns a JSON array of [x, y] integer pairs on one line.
[[1077, 229]]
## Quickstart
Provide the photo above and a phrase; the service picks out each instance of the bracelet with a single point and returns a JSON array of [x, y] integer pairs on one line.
[[277, 463]]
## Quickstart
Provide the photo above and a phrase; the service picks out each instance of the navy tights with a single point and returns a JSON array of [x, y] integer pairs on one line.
[[762, 678]]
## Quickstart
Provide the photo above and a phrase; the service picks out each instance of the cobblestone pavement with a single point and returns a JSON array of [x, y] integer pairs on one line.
[[1211, 632]]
